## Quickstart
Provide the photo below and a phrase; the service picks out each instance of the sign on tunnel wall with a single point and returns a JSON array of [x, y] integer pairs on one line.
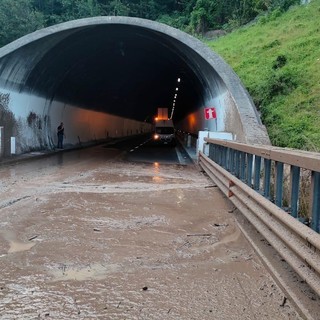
[[210, 113]]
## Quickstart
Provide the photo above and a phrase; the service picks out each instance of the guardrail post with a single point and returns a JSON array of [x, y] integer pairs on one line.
[[249, 169], [224, 157], [228, 158], [257, 170], [279, 183], [216, 153], [242, 166], [267, 178], [237, 164], [13, 145], [295, 186], [315, 200], [219, 155], [232, 157], [211, 151]]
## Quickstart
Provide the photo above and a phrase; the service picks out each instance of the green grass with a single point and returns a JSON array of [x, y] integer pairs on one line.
[[278, 60]]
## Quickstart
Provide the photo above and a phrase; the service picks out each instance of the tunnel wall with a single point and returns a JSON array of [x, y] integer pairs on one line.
[[223, 90], [33, 121], [228, 119]]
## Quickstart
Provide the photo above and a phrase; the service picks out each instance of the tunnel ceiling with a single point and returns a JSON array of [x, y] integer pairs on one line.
[[125, 70]]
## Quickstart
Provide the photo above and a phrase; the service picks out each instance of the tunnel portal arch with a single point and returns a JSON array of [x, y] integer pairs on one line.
[[106, 76]]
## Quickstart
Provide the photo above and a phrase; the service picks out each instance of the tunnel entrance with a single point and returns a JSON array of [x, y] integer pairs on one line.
[[107, 76], [120, 69]]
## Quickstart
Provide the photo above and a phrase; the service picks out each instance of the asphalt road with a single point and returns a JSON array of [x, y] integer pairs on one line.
[[144, 149]]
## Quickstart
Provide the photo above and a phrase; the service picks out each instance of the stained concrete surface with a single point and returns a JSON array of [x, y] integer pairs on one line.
[[86, 235]]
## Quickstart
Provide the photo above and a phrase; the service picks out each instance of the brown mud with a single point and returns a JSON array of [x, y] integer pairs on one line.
[[105, 239]]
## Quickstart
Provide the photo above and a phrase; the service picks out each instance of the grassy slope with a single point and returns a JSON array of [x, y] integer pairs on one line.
[[278, 60]]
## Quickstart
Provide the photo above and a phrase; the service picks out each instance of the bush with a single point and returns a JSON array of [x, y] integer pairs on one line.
[[277, 82], [280, 62]]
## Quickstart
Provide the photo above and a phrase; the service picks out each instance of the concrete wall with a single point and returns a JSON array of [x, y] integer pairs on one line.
[[34, 120], [223, 90], [227, 117]]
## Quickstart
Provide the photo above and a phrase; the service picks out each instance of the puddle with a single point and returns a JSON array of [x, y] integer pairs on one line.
[[89, 272], [15, 244]]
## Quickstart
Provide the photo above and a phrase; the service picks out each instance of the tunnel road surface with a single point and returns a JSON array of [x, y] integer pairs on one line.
[[90, 235]]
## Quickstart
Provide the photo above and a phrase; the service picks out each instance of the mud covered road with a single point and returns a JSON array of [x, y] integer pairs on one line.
[[89, 235]]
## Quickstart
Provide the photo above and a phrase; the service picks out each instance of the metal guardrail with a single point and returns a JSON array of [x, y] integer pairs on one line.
[[252, 177]]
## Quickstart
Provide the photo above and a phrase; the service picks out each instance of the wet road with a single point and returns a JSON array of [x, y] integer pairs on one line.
[[143, 149], [92, 234]]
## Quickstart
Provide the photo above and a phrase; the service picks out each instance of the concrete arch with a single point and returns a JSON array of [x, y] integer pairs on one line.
[[106, 76]]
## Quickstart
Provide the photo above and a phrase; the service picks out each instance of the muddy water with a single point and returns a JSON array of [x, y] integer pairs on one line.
[[14, 244], [87, 237]]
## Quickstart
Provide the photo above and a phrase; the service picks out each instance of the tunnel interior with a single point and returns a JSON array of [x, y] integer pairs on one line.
[[125, 70]]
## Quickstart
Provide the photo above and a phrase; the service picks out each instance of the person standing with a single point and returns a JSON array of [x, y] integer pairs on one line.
[[60, 133]]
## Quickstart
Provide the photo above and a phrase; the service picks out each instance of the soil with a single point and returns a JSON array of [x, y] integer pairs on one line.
[[100, 238]]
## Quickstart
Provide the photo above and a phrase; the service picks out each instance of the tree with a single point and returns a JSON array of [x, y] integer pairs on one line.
[[146, 9], [77, 9], [48, 7], [117, 8], [202, 16], [51, 9], [18, 18]]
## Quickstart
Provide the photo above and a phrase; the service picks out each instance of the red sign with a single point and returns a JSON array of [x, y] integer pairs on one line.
[[210, 113]]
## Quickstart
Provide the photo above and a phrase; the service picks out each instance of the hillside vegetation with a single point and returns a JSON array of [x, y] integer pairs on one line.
[[20, 17], [278, 60]]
